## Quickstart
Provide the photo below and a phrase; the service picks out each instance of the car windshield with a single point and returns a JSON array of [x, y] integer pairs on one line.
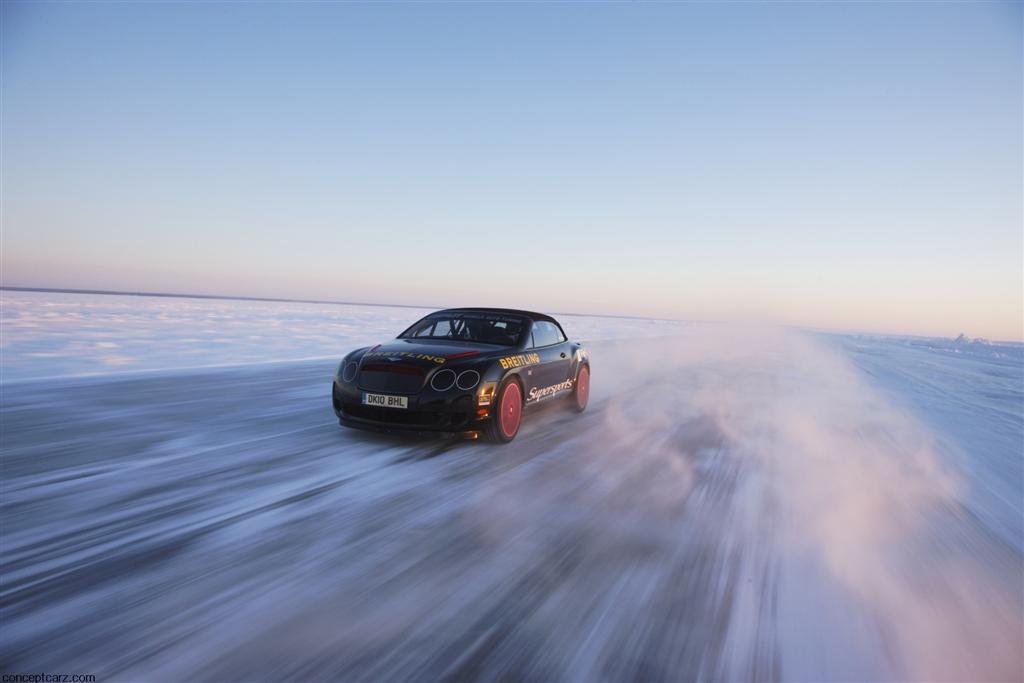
[[473, 327]]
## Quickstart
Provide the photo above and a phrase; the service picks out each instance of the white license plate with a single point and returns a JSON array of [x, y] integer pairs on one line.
[[385, 401]]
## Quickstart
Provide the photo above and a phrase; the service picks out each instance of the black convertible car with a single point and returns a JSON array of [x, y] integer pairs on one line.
[[462, 370]]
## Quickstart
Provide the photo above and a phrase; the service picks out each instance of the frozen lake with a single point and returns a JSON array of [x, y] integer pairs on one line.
[[736, 503], [47, 334]]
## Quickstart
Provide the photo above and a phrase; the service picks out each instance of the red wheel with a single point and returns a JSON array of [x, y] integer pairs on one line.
[[581, 394], [505, 424]]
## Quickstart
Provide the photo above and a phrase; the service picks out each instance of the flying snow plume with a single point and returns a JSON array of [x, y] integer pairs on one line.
[[853, 557]]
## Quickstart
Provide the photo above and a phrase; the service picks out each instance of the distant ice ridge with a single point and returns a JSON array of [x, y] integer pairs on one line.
[[962, 345], [45, 334], [964, 339]]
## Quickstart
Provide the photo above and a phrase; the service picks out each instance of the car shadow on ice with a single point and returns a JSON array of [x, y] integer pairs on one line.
[[553, 419], [411, 447]]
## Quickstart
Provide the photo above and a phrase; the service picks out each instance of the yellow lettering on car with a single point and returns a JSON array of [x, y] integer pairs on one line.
[[519, 360]]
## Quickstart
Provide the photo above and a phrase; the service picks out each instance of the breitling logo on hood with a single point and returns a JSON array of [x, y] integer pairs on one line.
[[411, 355]]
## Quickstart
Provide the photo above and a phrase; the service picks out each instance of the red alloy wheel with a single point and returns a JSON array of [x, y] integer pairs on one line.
[[582, 387], [511, 410]]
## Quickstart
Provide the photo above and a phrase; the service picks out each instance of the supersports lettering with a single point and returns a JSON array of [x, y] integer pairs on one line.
[[536, 394], [406, 354], [519, 360]]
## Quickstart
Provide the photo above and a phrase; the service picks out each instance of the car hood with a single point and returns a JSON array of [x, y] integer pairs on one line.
[[430, 353]]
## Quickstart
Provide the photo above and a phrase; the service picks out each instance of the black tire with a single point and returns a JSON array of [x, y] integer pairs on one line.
[[579, 398], [503, 431]]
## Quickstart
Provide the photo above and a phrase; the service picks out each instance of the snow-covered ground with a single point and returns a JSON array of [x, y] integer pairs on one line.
[[54, 335], [734, 504]]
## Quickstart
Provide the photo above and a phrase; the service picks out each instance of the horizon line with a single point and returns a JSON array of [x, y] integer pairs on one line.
[[228, 297], [334, 302]]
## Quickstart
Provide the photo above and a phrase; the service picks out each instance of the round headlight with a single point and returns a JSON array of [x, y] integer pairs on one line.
[[467, 379], [443, 380], [349, 373]]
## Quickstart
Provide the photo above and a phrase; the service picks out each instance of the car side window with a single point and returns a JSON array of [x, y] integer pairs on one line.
[[425, 330], [546, 334]]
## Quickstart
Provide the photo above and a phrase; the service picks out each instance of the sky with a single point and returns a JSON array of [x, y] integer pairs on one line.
[[842, 166]]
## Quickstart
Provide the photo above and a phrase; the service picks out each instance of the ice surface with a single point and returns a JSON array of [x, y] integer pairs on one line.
[[970, 396], [735, 504]]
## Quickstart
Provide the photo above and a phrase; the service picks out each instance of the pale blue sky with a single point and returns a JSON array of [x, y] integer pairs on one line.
[[836, 165]]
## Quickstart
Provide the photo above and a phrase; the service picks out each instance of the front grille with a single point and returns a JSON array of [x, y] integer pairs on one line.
[[391, 378], [433, 416], [412, 418]]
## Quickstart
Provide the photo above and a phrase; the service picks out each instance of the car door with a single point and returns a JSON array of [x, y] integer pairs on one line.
[[555, 360]]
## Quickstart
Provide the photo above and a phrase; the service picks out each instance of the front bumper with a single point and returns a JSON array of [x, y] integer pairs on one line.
[[429, 414]]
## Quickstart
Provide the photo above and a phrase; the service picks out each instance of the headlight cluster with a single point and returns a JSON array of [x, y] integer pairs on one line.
[[467, 379], [347, 371], [443, 380]]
